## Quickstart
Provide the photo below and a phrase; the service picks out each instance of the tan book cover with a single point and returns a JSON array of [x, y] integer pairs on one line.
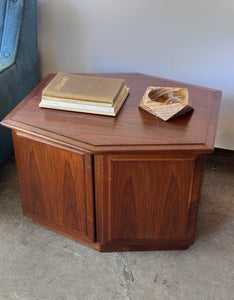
[[48, 99], [83, 87], [86, 108]]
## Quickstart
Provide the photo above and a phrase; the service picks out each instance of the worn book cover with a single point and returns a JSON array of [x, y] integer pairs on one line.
[[84, 87], [49, 99], [86, 108]]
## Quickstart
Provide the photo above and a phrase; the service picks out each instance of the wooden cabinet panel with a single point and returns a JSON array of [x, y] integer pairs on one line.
[[56, 184], [140, 198], [145, 173]]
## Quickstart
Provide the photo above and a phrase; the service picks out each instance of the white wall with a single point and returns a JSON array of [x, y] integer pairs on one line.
[[189, 41]]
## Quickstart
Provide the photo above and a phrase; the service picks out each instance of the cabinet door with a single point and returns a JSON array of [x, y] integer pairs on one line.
[[56, 185], [146, 200]]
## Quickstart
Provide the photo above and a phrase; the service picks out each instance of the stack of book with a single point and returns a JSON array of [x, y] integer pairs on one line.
[[83, 93]]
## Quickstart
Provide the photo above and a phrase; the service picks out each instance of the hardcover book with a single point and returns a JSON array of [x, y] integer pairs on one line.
[[83, 87], [82, 93], [93, 108]]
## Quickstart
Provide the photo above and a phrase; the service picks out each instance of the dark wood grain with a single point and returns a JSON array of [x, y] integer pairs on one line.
[[150, 197], [115, 184], [194, 203], [144, 245], [67, 232], [132, 127], [53, 184]]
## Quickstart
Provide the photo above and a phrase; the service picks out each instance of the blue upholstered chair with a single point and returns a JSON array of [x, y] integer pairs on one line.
[[18, 60]]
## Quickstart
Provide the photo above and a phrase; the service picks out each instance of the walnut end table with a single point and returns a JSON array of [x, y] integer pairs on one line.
[[130, 182]]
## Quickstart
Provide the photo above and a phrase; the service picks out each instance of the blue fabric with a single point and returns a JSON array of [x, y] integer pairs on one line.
[[2, 18], [11, 31], [18, 60]]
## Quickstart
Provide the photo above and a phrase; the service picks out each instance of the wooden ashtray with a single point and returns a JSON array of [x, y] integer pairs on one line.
[[166, 102]]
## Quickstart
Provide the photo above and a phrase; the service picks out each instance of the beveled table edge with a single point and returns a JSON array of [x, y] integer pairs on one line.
[[98, 149]]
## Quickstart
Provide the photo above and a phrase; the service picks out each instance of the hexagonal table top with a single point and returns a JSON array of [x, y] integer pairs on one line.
[[132, 128]]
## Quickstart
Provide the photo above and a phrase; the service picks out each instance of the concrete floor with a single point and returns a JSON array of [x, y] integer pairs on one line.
[[38, 264]]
